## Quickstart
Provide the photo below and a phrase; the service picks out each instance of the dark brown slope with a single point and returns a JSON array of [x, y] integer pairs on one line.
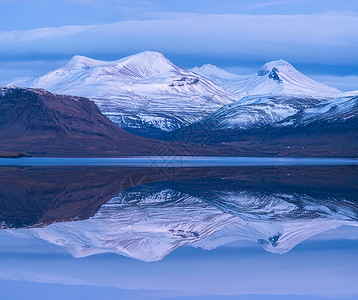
[[44, 124]]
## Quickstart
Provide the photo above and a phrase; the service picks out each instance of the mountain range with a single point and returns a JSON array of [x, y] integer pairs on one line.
[[144, 93], [274, 78], [329, 128], [276, 111], [148, 95]]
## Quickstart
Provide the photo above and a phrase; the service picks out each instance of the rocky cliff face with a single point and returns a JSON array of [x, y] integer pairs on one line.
[[41, 123]]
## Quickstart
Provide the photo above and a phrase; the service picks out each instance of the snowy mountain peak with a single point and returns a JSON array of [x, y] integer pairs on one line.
[[274, 78], [209, 70], [280, 77], [145, 90], [148, 55], [79, 62], [273, 69], [147, 64], [142, 65], [277, 63]]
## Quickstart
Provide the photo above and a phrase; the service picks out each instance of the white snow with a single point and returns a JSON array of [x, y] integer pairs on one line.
[[146, 83], [338, 109], [147, 90], [289, 81], [257, 111]]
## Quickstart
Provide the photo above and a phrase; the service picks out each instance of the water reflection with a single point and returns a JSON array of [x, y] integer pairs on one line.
[[147, 213]]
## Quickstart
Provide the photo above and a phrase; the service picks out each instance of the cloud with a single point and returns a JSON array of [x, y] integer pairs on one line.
[[226, 39], [266, 4], [304, 38], [23, 36]]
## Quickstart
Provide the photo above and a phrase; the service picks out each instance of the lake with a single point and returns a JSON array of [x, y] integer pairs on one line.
[[193, 228]]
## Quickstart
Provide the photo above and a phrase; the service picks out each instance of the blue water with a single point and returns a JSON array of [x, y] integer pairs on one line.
[[235, 209], [178, 161]]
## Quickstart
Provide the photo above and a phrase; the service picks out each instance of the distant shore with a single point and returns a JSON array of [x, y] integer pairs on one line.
[[6, 154]]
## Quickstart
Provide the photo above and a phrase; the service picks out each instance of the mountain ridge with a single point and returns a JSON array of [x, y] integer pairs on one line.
[[147, 95], [329, 128], [273, 78], [140, 93]]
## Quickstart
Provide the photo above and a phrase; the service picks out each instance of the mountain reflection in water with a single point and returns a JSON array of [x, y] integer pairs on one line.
[[147, 213]]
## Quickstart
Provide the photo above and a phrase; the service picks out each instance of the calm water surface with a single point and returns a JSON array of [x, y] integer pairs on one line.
[[179, 161], [244, 229]]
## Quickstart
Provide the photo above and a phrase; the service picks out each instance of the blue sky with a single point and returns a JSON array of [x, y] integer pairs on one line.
[[320, 37]]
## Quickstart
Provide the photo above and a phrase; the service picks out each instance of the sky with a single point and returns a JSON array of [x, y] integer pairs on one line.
[[319, 37], [322, 267]]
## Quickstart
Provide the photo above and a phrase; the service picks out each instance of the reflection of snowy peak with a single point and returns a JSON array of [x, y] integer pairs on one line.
[[148, 230], [139, 90], [147, 223], [274, 78]]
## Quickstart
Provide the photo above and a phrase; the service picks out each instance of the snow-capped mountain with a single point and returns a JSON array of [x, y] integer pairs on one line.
[[256, 111], [148, 95], [273, 78], [145, 90], [338, 111], [275, 92], [284, 126]]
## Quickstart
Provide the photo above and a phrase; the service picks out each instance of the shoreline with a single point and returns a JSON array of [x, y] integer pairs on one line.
[[178, 161]]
